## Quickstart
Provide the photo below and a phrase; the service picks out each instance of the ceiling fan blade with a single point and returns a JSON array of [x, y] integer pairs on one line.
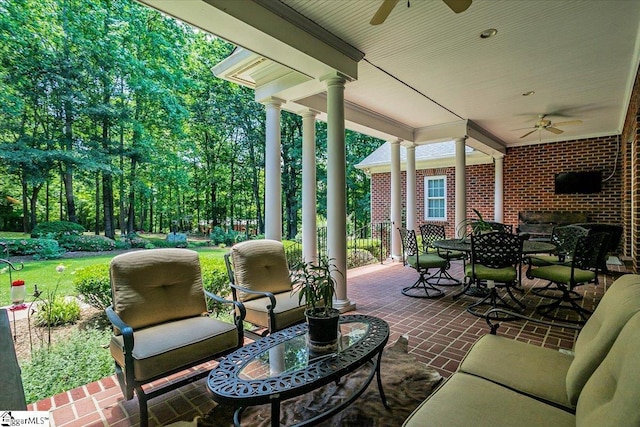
[[554, 130], [528, 133], [569, 123], [383, 11], [458, 5]]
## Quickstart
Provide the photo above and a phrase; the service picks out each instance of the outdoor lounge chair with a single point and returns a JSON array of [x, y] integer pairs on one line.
[[160, 320], [430, 233], [259, 279]]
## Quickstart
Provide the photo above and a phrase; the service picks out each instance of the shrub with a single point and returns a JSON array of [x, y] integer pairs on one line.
[[79, 360], [93, 285], [39, 248], [57, 229], [215, 280], [87, 243], [220, 236], [57, 311]]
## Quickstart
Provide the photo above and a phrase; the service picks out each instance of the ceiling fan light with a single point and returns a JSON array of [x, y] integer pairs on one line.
[[529, 93], [488, 33]]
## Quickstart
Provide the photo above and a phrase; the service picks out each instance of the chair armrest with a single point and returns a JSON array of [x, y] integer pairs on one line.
[[269, 295], [494, 326], [128, 341], [238, 305]]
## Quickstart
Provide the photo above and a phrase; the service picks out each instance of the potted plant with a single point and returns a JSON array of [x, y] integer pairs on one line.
[[476, 225], [316, 287]]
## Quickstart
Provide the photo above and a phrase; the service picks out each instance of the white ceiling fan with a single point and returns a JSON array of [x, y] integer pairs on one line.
[[387, 6], [545, 124]]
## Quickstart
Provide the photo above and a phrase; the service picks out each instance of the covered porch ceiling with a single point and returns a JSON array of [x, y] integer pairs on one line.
[[426, 75]]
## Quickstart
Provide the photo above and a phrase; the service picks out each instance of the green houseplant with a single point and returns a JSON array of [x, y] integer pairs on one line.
[[315, 285], [469, 226]]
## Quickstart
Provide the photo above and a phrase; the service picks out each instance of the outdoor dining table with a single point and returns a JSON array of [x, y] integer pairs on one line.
[[464, 245]]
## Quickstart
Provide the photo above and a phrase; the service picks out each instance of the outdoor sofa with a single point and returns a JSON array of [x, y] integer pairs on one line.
[[504, 382]]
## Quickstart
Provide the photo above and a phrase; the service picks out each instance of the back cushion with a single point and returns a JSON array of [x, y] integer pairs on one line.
[[617, 306], [157, 285], [260, 265], [611, 397]]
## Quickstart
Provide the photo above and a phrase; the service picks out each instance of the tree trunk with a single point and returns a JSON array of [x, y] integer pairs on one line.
[[131, 218], [107, 203], [96, 229]]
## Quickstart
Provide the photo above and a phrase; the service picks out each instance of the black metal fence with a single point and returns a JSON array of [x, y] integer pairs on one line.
[[366, 245]]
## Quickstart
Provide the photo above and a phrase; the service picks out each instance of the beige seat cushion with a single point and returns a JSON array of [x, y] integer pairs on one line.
[[466, 400], [611, 396], [533, 370], [165, 347], [156, 286], [287, 312], [260, 265]]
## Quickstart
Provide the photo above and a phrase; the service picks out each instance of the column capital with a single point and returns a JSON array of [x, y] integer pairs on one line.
[[461, 138], [334, 79], [272, 100], [396, 141], [308, 112], [498, 157]]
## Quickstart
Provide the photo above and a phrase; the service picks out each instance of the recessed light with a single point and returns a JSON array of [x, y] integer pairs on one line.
[[488, 33], [529, 92]]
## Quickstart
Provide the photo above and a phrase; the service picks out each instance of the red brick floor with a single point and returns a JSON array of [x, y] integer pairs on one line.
[[440, 333]]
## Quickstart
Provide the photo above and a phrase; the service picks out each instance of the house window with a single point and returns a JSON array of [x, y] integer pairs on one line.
[[435, 198]]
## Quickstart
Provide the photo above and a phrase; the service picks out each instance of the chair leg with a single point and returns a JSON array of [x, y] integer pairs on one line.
[[552, 287], [443, 278], [143, 407], [495, 300], [566, 302], [422, 288]]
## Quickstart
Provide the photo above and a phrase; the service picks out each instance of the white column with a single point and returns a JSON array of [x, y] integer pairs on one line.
[[498, 198], [273, 171], [336, 187], [412, 209], [396, 203], [309, 206], [461, 185]]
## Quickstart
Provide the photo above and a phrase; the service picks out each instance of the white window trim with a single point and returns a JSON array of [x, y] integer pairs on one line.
[[426, 198]]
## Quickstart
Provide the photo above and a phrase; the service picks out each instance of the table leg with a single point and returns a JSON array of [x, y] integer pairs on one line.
[[275, 413], [380, 389]]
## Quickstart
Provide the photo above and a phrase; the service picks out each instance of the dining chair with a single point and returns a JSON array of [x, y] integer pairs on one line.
[[496, 260], [422, 262], [580, 268], [431, 233], [565, 238]]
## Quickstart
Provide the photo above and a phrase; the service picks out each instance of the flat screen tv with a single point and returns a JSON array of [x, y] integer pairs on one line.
[[578, 182]]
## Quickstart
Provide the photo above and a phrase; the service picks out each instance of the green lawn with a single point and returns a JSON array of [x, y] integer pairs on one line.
[[44, 274]]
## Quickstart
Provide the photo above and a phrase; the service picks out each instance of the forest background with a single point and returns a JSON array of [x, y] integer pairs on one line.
[[111, 117]]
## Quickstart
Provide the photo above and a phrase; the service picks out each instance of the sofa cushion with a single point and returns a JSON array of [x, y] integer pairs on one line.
[[161, 348], [287, 311], [156, 286], [260, 265], [611, 396], [533, 370], [465, 400], [617, 306]]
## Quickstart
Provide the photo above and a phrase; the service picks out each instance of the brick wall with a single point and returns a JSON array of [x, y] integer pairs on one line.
[[529, 173], [631, 168]]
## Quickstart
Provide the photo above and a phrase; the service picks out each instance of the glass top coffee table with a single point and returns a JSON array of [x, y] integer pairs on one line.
[[280, 366]]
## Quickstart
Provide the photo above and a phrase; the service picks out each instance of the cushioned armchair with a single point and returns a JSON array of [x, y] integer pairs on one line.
[[422, 263], [259, 277], [496, 259], [565, 238], [430, 233], [161, 324], [579, 269]]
